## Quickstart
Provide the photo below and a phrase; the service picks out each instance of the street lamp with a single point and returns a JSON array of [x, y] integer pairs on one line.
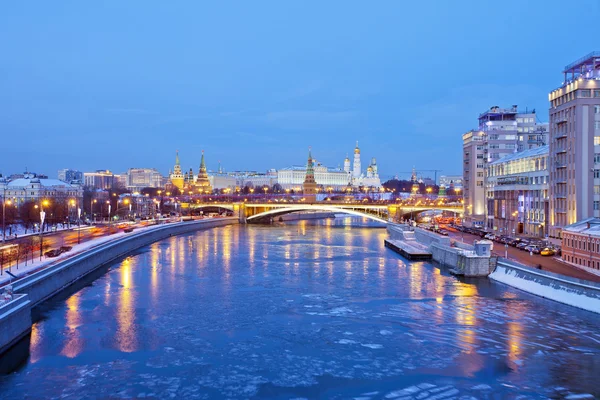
[[266, 189], [70, 204], [78, 225], [92, 202], [42, 218], [4, 201]]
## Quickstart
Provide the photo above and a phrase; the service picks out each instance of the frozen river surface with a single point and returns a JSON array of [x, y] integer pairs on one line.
[[313, 310]]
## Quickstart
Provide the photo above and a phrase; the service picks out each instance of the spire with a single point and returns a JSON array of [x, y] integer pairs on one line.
[[310, 166], [177, 157], [356, 149], [220, 169], [202, 165]]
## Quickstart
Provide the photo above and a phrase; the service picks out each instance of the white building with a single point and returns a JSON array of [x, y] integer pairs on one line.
[[139, 178], [30, 187], [454, 181], [101, 179], [335, 178]]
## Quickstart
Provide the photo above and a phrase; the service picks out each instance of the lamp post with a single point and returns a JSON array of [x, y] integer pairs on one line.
[[70, 205], [266, 189], [4, 216], [92, 202], [78, 225], [42, 218]]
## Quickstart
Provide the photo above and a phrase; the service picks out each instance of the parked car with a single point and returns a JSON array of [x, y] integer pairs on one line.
[[533, 249], [64, 249], [514, 242], [443, 232], [521, 245], [547, 251], [53, 253]]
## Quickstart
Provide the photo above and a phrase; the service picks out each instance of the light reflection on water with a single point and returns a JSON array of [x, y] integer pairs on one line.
[[311, 309]]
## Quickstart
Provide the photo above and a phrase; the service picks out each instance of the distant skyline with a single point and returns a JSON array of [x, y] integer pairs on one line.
[[116, 85]]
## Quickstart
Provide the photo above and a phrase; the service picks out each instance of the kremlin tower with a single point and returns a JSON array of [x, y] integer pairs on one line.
[[309, 186], [176, 177], [202, 182]]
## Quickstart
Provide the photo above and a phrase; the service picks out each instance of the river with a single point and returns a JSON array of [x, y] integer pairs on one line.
[[313, 309]]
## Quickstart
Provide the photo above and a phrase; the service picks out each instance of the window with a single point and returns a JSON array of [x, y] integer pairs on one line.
[[596, 140], [480, 174], [480, 183], [596, 109], [597, 173], [596, 189], [597, 125], [585, 93], [596, 93], [597, 157]]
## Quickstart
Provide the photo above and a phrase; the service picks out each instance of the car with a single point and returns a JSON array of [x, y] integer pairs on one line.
[[53, 253], [64, 249], [443, 232], [533, 249], [547, 252], [514, 242], [522, 244]]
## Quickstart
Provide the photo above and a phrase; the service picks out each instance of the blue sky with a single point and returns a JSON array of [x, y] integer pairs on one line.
[[119, 84]]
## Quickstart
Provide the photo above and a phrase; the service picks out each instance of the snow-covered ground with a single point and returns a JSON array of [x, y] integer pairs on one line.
[[20, 230], [554, 292], [36, 265]]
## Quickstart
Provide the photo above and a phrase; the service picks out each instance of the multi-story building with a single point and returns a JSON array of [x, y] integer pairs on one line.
[[533, 137], [501, 131], [255, 179], [575, 145], [139, 178], [32, 187], [70, 175], [101, 179], [517, 193], [474, 179], [581, 243]]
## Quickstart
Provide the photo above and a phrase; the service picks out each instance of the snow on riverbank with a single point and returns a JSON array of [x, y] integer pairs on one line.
[[553, 289], [36, 265]]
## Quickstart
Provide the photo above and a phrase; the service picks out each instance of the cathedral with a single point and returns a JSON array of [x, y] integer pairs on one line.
[[356, 176], [190, 182]]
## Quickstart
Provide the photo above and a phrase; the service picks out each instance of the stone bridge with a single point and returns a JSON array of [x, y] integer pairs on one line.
[[384, 213]]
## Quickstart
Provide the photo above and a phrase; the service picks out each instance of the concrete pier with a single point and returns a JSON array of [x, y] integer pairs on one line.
[[412, 252]]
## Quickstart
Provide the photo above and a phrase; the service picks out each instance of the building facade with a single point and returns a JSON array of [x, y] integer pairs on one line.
[[101, 179], [501, 132], [139, 178], [334, 178], [517, 193], [70, 175], [451, 181], [33, 188], [575, 145], [581, 243]]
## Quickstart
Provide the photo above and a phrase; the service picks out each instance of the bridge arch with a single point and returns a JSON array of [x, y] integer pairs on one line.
[[228, 207], [314, 207]]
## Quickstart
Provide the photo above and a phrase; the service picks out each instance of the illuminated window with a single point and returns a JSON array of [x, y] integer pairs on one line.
[[596, 140]]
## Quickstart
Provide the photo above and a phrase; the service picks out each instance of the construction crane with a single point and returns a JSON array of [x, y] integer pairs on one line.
[[435, 171]]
